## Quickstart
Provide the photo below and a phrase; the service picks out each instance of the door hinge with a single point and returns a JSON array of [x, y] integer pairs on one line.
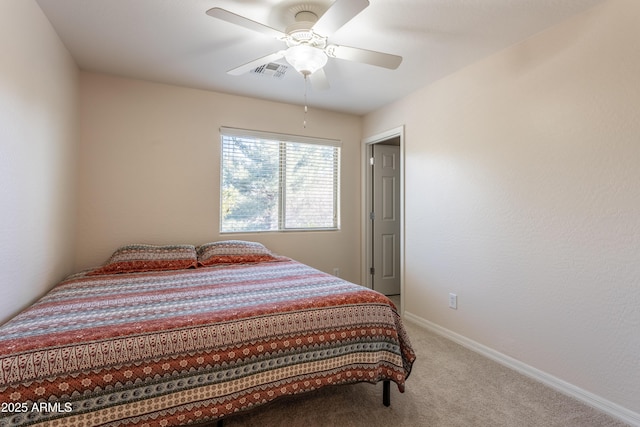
[[371, 161], [372, 271], [372, 216]]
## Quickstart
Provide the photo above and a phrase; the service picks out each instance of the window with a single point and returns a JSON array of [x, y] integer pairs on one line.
[[273, 182]]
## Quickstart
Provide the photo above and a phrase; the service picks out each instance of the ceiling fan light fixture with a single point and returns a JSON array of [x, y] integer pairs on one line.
[[306, 59]]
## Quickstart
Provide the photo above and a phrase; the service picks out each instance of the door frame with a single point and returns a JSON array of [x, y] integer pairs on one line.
[[366, 203]]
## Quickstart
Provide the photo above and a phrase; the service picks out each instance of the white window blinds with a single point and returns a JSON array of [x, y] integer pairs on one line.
[[274, 182]]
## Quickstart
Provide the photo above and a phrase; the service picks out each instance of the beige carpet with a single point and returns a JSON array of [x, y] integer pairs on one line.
[[449, 386]]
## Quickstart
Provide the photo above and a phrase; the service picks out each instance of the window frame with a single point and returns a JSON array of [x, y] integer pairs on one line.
[[282, 139]]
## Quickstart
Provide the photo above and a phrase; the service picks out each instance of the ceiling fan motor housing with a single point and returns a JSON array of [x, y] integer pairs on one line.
[[301, 32]]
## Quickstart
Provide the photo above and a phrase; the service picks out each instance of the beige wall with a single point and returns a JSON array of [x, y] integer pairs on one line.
[[523, 197], [150, 172], [38, 127]]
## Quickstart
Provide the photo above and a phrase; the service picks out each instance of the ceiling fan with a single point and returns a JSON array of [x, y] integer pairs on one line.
[[308, 49]]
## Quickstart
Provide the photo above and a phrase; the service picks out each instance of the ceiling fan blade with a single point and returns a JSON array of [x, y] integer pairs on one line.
[[340, 12], [231, 17], [370, 57], [256, 63], [319, 80]]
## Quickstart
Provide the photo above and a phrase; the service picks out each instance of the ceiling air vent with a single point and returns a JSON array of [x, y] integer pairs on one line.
[[271, 70]]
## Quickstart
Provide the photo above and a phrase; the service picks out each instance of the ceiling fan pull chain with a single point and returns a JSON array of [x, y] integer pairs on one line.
[[304, 122]]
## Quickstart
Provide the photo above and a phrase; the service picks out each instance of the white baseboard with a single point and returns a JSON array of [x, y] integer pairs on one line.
[[562, 386]]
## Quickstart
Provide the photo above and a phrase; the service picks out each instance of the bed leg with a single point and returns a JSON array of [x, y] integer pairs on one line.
[[386, 393]]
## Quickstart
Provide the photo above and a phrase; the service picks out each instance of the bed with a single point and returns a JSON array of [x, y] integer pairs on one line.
[[165, 336]]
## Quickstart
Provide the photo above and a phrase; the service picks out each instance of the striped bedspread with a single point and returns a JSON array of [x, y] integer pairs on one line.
[[177, 347]]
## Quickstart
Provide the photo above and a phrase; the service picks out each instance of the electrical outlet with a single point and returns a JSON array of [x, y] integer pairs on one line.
[[453, 301], [336, 272]]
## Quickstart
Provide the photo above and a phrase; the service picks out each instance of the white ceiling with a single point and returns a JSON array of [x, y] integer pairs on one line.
[[175, 42]]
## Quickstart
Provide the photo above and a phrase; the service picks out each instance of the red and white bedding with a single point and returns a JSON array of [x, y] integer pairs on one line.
[[175, 347]]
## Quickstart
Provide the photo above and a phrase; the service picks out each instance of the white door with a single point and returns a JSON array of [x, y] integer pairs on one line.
[[385, 218]]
